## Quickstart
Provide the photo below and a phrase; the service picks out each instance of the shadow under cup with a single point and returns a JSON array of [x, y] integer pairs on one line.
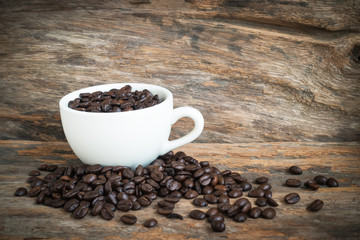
[[125, 138]]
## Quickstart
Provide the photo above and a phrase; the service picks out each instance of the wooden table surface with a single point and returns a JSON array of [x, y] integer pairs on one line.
[[21, 218]]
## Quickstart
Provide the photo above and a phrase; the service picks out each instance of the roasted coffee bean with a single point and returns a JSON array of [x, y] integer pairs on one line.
[[233, 210], [124, 205], [205, 179], [261, 201], [216, 217], [97, 207], [316, 205], [41, 197], [144, 201], [197, 214], [157, 175], [107, 213], [256, 193], [223, 198], [71, 204], [139, 170], [172, 199], [110, 205], [166, 205], [164, 211], [200, 202], [219, 193], [293, 183], [89, 178], [136, 206], [211, 212], [111, 197], [261, 180], [255, 212], [265, 187], [272, 202], [268, 213], [207, 190], [246, 186], [175, 215], [151, 196], [295, 170], [321, 180], [210, 198], [240, 217], [51, 168], [128, 219], [34, 173], [128, 173], [37, 182], [81, 210], [20, 192], [292, 198], [312, 185], [224, 207], [191, 194], [150, 223], [43, 167], [57, 202], [246, 208], [332, 182], [218, 226], [241, 202], [122, 196], [235, 193], [35, 191], [268, 194]]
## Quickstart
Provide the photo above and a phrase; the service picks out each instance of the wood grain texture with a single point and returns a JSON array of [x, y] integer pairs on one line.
[[339, 218], [285, 71]]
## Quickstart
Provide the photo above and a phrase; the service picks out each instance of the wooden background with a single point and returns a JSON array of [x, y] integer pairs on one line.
[[259, 71]]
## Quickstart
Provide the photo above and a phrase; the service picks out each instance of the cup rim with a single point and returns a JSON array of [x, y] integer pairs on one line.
[[63, 103]]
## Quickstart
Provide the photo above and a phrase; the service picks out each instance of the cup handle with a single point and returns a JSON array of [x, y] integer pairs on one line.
[[181, 112]]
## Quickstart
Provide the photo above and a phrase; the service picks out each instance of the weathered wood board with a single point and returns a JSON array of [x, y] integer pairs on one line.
[[274, 71], [21, 218]]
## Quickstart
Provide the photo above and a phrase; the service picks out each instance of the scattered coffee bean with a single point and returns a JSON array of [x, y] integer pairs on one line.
[[216, 217], [211, 212], [128, 219], [34, 173], [272, 202], [261, 201], [150, 223], [293, 183], [191, 194], [316, 205], [175, 215], [332, 182], [200, 202], [261, 180], [256, 193], [166, 205], [197, 214], [321, 180], [218, 226], [312, 185], [292, 198], [235, 193], [210, 198], [20, 192], [240, 217], [268, 194], [164, 211], [268, 213], [265, 187], [255, 212], [296, 170]]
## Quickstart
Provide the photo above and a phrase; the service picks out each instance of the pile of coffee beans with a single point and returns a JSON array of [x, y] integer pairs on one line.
[[115, 100], [97, 190], [313, 184]]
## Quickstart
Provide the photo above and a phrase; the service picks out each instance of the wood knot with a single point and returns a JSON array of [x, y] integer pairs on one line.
[[356, 53]]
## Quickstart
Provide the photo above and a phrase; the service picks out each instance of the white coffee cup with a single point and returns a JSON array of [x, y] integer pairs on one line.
[[126, 138]]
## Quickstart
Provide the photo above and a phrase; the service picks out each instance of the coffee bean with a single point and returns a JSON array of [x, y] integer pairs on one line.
[[272, 202], [211, 212], [332, 182], [240, 217], [292, 198], [34, 173], [295, 170], [223, 198], [219, 193], [128, 219], [265, 187], [235, 193], [293, 183], [20, 192], [268, 213], [97, 207], [35, 191], [191, 194], [233, 210], [256, 193], [107, 213], [205, 179], [312, 185], [89, 178], [216, 217], [71, 204], [321, 180], [128, 173], [164, 211], [210, 198], [175, 215], [224, 207], [172, 199], [144, 201], [124, 205], [166, 205], [261, 202], [268, 194], [81, 210], [316, 205], [246, 208], [246, 186], [241, 202], [207, 190], [197, 214], [255, 212], [218, 226], [150, 223], [261, 180], [200, 202]]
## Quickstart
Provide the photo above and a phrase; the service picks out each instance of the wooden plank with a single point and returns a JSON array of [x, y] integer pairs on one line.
[[339, 218], [253, 82]]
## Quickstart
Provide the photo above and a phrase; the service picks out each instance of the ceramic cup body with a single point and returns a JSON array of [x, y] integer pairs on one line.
[[125, 138]]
